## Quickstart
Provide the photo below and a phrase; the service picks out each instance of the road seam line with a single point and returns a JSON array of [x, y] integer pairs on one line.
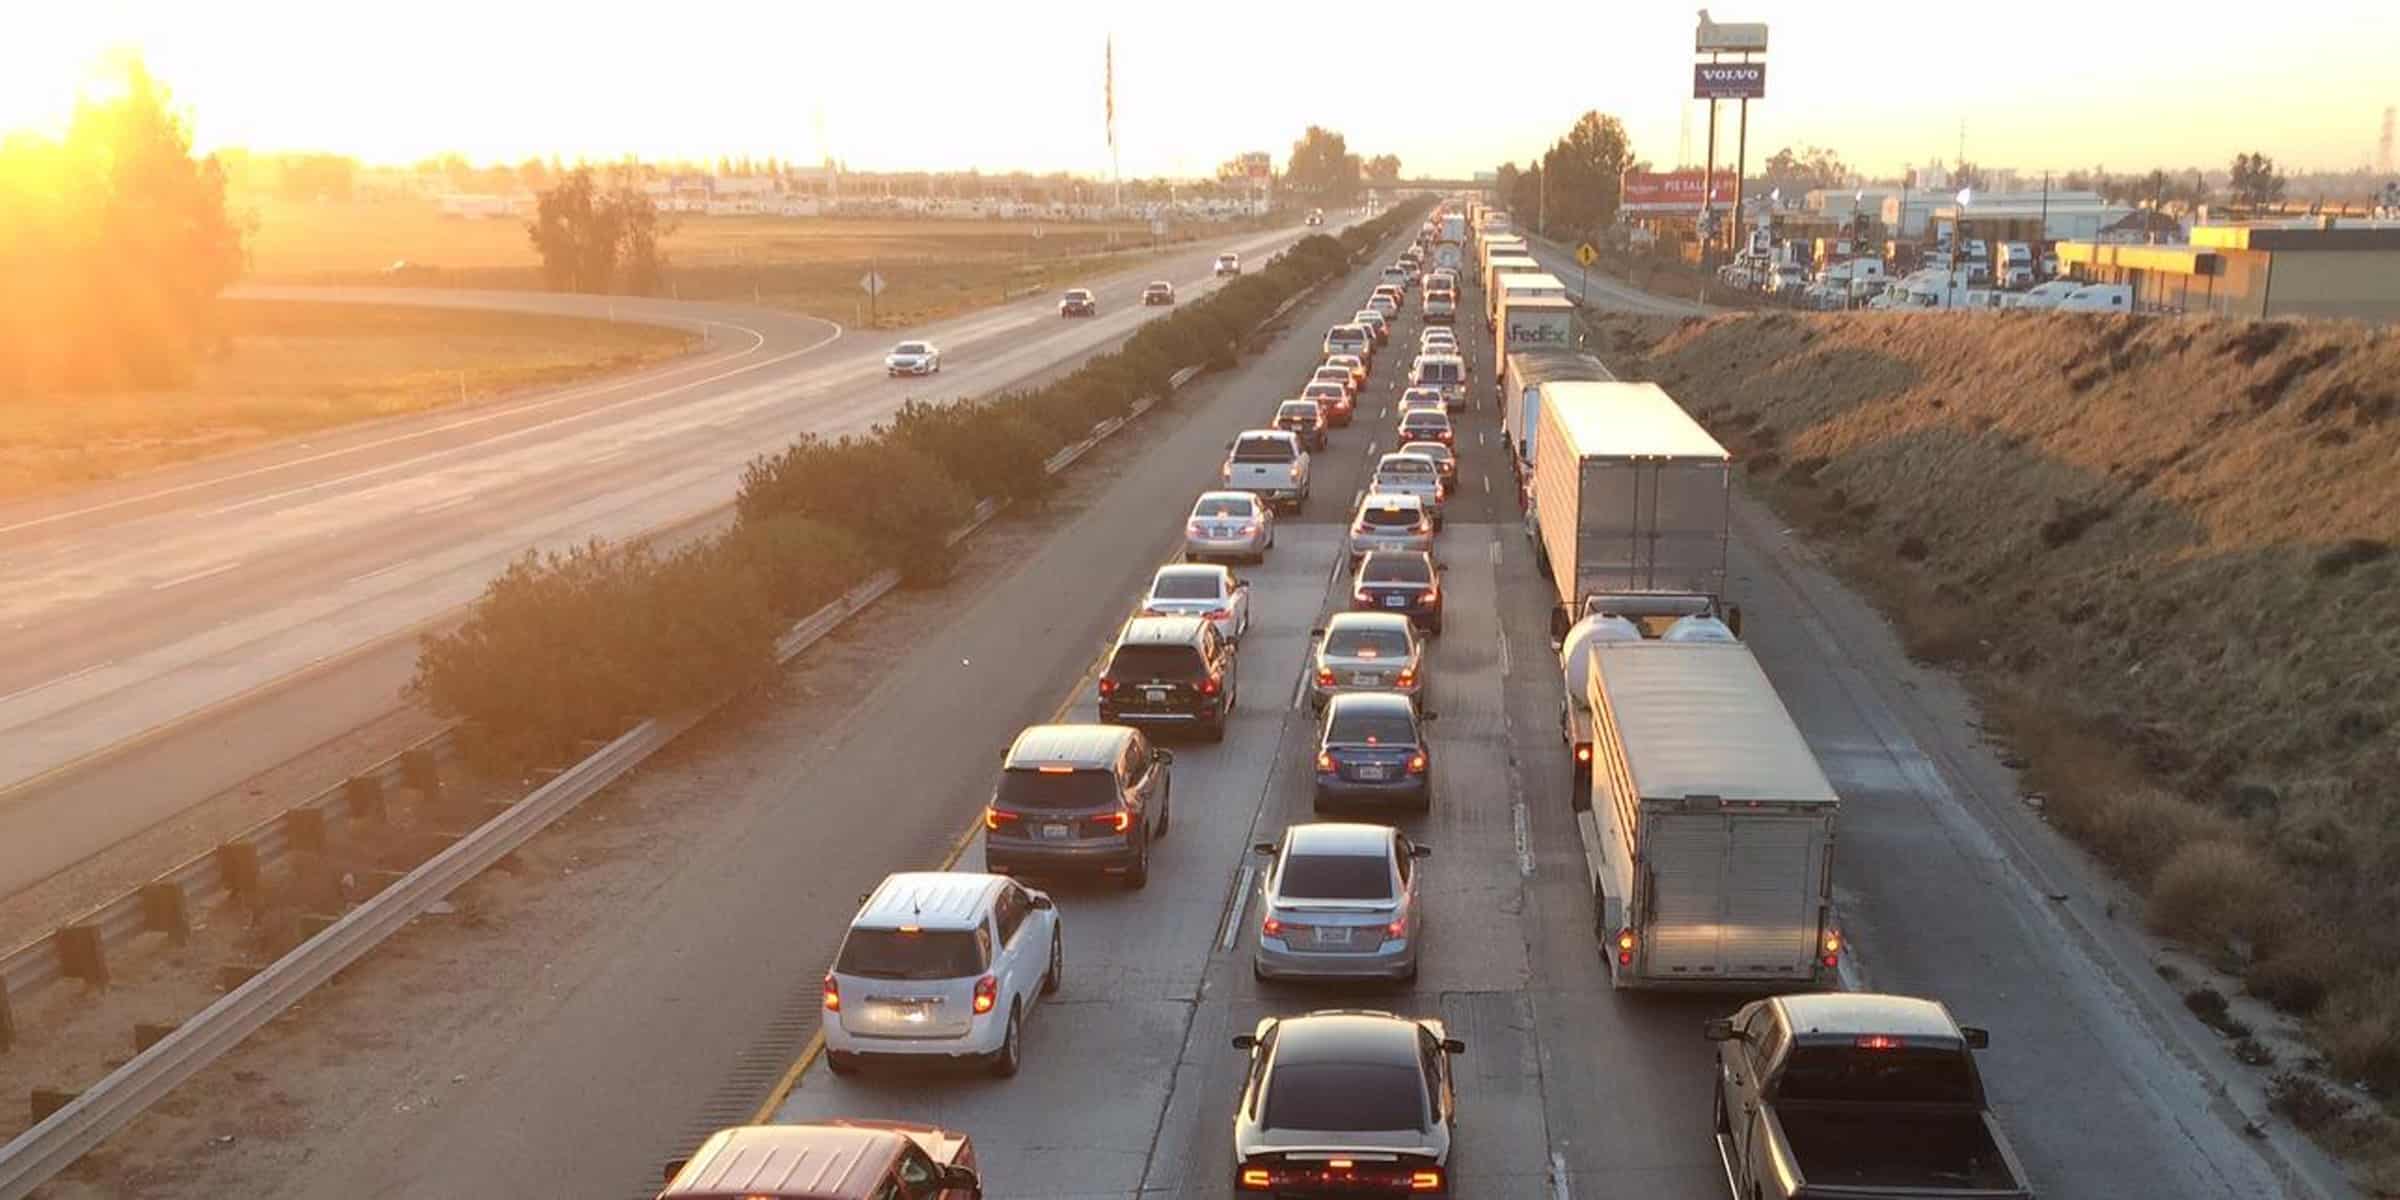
[[195, 576]]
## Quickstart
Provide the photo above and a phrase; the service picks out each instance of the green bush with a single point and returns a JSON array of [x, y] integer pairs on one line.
[[993, 450], [895, 499], [801, 564]]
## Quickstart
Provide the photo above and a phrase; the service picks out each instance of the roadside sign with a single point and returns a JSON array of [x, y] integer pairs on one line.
[[872, 283], [1585, 255]]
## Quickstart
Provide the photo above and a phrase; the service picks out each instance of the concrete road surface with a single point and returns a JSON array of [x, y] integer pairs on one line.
[[154, 611], [645, 1034], [1603, 292]]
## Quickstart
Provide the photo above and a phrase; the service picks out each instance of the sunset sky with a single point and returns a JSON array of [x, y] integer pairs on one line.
[[2039, 83]]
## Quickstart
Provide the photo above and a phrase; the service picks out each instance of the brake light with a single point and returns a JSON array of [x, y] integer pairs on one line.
[[1219, 614], [1433, 593], [1408, 677], [1325, 676], [1583, 752], [993, 818], [1881, 1041], [1625, 943], [1398, 928], [1256, 1179], [1108, 687], [1271, 927], [833, 993], [1425, 1181], [1832, 944], [1363, 596], [1208, 686], [1249, 528], [1416, 763], [1325, 760], [987, 994], [1119, 821]]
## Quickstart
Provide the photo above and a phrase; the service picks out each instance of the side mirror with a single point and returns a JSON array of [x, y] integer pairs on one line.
[[1317, 632], [1430, 716], [1720, 1029], [1262, 848], [1420, 850], [954, 1176], [1041, 901], [1161, 754], [1245, 1041], [1977, 1039], [1453, 1046], [674, 1168]]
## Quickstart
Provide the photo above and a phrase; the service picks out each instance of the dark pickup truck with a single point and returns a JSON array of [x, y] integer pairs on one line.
[[1856, 1097]]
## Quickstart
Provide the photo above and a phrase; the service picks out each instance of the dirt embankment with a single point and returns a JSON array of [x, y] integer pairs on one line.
[[2163, 552]]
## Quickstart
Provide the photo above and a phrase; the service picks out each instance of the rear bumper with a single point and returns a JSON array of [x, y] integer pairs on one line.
[[1006, 857], [982, 1038], [1110, 715], [1408, 789], [1276, 959], [1208, 547]]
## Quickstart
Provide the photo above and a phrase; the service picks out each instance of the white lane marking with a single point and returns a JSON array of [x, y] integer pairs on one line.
[[519, 410], [1516, 816], [1234, 910], [1494, 548], [195, 576], [1487, 490], [48, 683], [377, 571], [1504, 654], [1558, 1177], [439, 505]]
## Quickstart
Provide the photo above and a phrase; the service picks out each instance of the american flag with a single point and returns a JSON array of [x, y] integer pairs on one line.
[[1109, 88]]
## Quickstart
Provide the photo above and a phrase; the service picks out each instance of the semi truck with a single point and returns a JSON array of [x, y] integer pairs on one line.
[[1708, 827], [1531, 322], [1629, 496], [1856, 1097], [1522, 376], [1495, 272]]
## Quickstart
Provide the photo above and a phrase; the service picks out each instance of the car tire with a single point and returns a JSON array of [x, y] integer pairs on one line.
[[1137, 876], [1214, 731], [1056, 975], [1010, 1057], [841, 1063], [1424, 801], [1317, 801], [1257, 972], [1409, 975], [1166, 814], [1435, 628]]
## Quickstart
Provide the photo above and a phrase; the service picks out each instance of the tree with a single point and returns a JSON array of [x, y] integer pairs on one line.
[[1322, 165], [1383, 170], [585, 235], [1519, 189], [2256, 183], [1813, 167], [1583, 176]]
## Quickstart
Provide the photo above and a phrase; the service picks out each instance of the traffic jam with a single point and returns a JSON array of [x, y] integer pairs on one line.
[[1706, 828]]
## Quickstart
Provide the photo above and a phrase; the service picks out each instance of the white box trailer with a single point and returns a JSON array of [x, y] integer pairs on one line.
[[1517, 287], [1521, 380], [1530, 322], [1495, 275], [1630, 495], [1708, 829]]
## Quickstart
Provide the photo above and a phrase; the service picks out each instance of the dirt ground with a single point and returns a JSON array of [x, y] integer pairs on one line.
[[342, 1057], [290, 368], [2160, 550]]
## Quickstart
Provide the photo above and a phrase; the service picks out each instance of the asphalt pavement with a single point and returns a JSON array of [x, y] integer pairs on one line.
[[168, 636]]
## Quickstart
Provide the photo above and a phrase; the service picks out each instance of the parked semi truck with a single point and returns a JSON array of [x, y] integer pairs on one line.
[[1708, 827], [1856, 1097]]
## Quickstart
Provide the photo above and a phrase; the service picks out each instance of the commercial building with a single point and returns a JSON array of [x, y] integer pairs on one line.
[[2013, 218], [2319, 268]]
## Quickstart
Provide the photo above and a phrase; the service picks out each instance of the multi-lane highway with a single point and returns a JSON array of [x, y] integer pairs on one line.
[[153, 612], [646, 1026]]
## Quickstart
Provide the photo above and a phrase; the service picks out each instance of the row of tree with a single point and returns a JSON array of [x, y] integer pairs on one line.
[[114, 245], [1323, 166], [1574, 188]]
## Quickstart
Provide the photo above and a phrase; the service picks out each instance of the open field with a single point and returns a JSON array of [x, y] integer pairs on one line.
[[931, 268], [291, 368], [2160, 550]]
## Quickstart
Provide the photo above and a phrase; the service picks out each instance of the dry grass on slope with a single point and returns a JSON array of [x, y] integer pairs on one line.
[[2163, 550]]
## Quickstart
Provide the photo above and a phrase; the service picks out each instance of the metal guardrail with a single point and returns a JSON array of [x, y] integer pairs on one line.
[[55, 1142]]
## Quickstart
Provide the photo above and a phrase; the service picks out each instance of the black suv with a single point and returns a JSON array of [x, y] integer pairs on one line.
[[1078, 798], [1169, 671]]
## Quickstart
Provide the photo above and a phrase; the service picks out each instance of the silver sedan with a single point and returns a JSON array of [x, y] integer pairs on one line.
[[1229, 525], [1390, 522], [1367, 652], [1340, 901]]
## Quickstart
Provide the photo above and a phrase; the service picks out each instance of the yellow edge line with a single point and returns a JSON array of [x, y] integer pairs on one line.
[[958, 849]]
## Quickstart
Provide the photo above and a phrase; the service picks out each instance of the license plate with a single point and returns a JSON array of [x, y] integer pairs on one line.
[[915, 1013], [1370, 773], [1333, 935], [1056, 832], [1155, 695], [1367, 679], [1395, 602]]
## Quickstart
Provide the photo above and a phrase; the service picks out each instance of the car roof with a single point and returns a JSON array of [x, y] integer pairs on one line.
[[1079, 291], [834, 1161], [926, 900], [1161, 631], [1339, 837], [1440, 357], [1373, 702], [1067, 746], [1843, 1015], [1388, 621], [1347, 1036]]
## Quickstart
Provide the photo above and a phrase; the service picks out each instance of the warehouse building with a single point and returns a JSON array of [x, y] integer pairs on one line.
[[2315, 268]]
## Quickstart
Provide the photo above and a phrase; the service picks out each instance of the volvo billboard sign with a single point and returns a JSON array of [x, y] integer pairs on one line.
[[1729, 81]]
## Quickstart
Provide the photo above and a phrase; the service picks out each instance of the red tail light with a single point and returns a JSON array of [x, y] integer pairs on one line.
[[1433, 593], [1250, 528], [1256, 1179], [1208, 686], [1583, 752], [1408, 678], [1325, 760], [1219, 614], [1271, 927], [1363, 596], [987, 994], [1325, 676], [833, 993], [1625, 944], [1832, 946], [1881, 1041], [1416, 763], [1425, 1181], [993, 818], [1398, 928], [1108, 687], [1119, 821]]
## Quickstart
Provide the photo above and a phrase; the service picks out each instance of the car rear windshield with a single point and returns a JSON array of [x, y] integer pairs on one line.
[[1396, 568], [1184, 585], [899, 954], [1439, 372], [1911, 1075], [1374, 643], [1346, 1097], [1384, 728], [1391, 518], [1224, 506], [1154, 662], [1296, 412], [1264, 449], [1405, 466], [1025, 789], [1336, 877]]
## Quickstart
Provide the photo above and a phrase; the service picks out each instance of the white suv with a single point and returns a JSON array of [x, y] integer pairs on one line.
[[941, 964]]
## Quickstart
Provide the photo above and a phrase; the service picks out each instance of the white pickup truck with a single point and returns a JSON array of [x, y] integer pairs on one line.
[[1269, 463]]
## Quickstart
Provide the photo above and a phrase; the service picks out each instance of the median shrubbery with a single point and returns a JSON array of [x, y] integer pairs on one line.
[[565, 649]]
